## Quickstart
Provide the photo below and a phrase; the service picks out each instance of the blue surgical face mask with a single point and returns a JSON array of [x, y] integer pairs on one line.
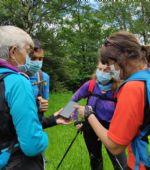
[[103, 77], [31, 66], [115, 73], [105, 87]]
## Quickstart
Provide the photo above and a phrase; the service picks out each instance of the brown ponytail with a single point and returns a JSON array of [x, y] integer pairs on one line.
[[146, 52]]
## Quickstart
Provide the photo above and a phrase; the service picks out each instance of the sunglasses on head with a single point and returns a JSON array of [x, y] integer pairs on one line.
[[109, 42]]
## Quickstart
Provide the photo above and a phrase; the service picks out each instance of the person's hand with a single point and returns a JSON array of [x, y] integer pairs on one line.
[[43, 104], [80, 109], [79, 126], [61, 120]]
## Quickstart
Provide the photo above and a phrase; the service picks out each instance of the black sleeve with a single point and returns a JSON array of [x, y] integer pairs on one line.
[[48, 121]]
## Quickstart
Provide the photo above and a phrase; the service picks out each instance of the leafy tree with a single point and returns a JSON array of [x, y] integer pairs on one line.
[[71, 32]]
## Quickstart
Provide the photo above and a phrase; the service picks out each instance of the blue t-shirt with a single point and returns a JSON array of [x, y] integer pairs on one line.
[[35, 81]]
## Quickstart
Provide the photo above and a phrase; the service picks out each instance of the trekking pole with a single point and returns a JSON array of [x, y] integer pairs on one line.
[[119, 163], [68, 149]]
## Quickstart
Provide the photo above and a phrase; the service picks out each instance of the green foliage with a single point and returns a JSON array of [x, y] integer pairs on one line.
[[72, 31]]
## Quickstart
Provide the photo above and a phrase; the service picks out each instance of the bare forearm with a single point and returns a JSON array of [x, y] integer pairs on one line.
[[101, 132]]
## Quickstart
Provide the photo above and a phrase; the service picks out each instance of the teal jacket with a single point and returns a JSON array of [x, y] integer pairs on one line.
[[20, 98]]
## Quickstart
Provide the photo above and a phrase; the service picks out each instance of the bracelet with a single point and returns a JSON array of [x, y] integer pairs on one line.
[[88, 111]]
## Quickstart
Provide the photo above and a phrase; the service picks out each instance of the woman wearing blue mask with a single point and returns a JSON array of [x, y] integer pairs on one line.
[[101, 98]]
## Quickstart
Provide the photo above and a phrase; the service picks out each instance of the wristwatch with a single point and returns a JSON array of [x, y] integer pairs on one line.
[[88, 111]]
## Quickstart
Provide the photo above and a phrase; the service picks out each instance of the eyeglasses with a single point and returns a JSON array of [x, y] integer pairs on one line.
[[109, 42]]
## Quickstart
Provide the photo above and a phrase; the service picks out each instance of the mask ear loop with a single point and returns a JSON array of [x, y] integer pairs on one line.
[[24, 68]]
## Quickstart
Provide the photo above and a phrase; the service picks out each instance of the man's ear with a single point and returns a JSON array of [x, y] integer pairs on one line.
[[12, 50]]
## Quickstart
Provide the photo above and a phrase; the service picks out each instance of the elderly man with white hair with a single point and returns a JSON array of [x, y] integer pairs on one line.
[[19, 123]]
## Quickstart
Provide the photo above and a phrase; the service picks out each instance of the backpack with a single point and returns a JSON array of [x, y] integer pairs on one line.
[[141, 143], [5, 153]]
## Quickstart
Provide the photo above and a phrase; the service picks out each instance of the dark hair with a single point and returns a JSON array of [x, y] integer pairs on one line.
[[146, 52], [120, 46], [37, 44]]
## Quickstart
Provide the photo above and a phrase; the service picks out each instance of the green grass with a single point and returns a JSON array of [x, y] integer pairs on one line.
[[60, 137]]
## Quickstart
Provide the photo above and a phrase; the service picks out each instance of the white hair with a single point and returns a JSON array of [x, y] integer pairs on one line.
[[12, 36]]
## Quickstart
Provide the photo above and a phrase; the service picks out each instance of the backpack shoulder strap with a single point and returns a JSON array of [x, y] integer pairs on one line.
[[92, 84], [5, 109], [40, 82], [3, 103], [3, 75], [146, 121]]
